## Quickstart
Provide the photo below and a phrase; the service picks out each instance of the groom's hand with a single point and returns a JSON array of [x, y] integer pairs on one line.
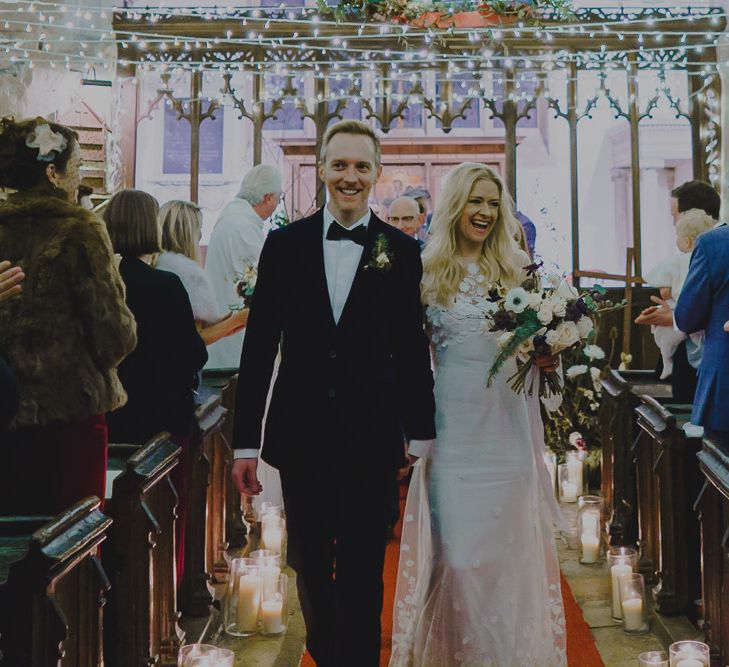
[[245, 476]]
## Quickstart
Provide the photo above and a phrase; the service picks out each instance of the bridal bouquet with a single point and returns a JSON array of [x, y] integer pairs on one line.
[[245, 284], [542, 319]]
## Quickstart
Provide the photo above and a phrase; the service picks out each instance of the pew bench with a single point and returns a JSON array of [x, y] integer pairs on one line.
[[52, 588]]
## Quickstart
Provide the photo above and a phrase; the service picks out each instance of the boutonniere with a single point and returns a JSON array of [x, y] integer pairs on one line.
[[381, 258]]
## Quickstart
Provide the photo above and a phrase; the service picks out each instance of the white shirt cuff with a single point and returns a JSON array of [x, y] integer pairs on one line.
[[245, 454], [420, 448]]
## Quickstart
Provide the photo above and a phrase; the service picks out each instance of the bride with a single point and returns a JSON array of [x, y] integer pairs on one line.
[[478, 582]]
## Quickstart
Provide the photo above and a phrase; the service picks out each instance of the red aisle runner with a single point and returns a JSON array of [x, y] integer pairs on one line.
[[581, 649]]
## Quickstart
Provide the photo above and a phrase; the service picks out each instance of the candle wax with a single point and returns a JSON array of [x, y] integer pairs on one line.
[[616, 571], [633, 614]]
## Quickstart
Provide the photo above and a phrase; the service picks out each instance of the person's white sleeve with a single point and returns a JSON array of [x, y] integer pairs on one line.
[[245, 454], [420, 448]]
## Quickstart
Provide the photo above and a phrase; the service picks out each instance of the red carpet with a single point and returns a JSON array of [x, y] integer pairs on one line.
[[581, 649]]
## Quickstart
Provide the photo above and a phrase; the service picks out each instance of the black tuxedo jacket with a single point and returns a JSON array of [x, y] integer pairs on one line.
[[345, 391]]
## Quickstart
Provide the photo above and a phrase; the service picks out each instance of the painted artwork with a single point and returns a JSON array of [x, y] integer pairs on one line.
[[176, 144], [396, 181]]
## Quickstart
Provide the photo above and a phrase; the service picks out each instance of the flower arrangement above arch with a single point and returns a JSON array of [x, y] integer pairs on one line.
[[444, 14]]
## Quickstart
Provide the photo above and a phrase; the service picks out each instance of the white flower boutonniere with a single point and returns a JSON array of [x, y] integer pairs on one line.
[[50, 144], [381, 258]]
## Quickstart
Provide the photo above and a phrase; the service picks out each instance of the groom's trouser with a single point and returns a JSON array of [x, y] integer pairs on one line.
[[337, 518]]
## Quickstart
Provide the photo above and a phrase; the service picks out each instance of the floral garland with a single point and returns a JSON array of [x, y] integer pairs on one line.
[[405, 11]]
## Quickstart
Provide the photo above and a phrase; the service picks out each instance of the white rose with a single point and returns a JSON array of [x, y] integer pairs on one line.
[[505, 338], [559, 306], [575, 436], [596, 375], [525, 348], [535, 300], [594, 351], [545, 313], [517, 299], [382, 259], [554, 280], [575, 371], [564, 336], [567, 291], [584, 326], [552, 402]]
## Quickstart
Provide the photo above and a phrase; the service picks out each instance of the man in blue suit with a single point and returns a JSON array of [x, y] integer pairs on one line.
[[704, 305]]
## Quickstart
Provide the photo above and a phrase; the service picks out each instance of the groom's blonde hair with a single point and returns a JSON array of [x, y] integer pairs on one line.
[[502, 261]]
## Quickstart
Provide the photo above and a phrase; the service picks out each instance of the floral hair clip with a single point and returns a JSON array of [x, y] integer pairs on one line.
[[50, 144]]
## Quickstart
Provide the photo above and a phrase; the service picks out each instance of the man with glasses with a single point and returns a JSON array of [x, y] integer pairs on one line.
[[404, 214]]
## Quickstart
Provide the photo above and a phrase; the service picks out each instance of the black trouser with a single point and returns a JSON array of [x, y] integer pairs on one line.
[[684, 378], [337, 518]]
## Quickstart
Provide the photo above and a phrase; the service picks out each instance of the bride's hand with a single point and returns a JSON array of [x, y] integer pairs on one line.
[[548, 363]]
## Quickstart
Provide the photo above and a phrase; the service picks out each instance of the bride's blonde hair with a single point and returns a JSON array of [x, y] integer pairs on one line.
[[502, 260]]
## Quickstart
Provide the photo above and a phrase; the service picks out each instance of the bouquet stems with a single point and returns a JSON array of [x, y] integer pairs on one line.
[[549, 382]]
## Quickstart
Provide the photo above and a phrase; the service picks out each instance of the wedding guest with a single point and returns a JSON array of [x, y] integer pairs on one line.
[[703, 306], [10, 279], [404, 214], [160, 376], [422, 196], [83, 197], [235, 245], [68, 332], [181, 223]]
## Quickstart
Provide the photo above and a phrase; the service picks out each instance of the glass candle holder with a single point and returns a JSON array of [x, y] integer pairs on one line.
[[243, 597], [567, 488], [268, 507], [269, 564], [621, 560], [205, 655], [575, 461], [653, 659], [273, 533], [589, 528], [275, 607], [633, 603], [689, 654], [550, 460]]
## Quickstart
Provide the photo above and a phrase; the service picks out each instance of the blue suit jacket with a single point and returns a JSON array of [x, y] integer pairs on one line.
[[704, 305]]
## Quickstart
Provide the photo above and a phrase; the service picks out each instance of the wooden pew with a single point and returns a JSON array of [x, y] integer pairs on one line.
[[209, 475], [141, 623], [225, 382], [52, 588], [713, 507], [621, 394], [677, 484]]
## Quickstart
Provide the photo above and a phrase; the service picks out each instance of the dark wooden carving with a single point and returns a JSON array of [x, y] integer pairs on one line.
[[52, 588], [142, 624], [713, 507], [675, 489]]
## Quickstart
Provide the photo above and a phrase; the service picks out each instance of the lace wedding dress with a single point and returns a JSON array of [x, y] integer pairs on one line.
[[478, 581]]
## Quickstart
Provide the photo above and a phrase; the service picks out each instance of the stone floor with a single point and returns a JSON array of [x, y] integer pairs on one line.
[[589, 584]]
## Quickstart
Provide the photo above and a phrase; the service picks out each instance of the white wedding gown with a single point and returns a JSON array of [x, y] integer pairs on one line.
[[478, 582]]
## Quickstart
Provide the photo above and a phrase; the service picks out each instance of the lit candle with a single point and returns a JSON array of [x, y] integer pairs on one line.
[[272, 537], [617, 571], [271, 611], [569, 492], [590, 548], [271, 574], [249, 600], [575, 469], [269, 519], [633, 614], [690, 662]]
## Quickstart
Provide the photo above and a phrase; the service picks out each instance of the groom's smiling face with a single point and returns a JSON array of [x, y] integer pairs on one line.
[[350, 171]]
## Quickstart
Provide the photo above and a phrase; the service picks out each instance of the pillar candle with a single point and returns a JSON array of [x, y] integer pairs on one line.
[[569, 492], [616, 571], [690, 662], [271, 611], [633, 614], [576, 469], [249, 600], [272, 538], [590, 548]]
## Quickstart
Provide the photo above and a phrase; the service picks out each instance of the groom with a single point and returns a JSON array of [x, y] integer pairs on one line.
[[339, 292]]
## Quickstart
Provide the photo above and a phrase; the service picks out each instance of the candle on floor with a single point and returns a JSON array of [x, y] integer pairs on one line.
[[249, 599], [632, 614], [576, 469], [271, 614], [617, 571], [590, 548], [569, 492]]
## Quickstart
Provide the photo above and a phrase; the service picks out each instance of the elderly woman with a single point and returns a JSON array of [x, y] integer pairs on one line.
[[161, 374], [66, 333], [181, 223]]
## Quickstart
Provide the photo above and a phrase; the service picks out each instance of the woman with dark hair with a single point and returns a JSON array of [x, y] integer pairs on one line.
[[161, 374], [67, 332]]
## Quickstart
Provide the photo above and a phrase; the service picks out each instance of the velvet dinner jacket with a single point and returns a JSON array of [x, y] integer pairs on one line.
[[347, 391]]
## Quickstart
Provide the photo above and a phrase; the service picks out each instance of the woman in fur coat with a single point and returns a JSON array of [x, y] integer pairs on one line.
[[65, 334]]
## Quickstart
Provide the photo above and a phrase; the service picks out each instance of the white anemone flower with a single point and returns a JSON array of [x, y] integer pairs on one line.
[[517, 299]]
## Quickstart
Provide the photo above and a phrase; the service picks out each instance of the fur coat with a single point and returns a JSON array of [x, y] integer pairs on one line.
[[70, 327]]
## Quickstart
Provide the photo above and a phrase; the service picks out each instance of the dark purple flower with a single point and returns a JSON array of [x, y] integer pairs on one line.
[[533, 268], [529, 284], [494, 295], [504, 321], [540, 345]]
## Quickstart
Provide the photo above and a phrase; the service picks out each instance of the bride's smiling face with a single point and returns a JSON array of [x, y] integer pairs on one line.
[[479, 215]]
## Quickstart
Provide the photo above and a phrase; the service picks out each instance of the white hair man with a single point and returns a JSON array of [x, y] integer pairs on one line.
[[404, 213], [235, 245]]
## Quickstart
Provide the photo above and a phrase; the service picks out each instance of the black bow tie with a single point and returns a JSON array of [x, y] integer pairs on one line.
[[336, 233]]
